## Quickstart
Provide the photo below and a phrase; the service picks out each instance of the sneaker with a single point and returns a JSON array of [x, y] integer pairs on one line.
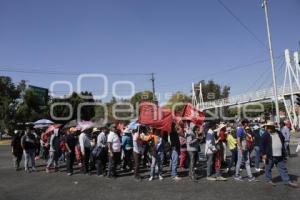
[[151, 178], [34, 169], [293, 185], [271, 183], [160, 178], [252, 179], [210, 178], [221, 178], [238, 178], [69, 174], [47, 170], [176, 178], [227, 170], [258, 169]]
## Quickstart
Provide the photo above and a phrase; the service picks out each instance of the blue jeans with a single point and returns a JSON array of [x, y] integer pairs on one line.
[[210, 162], [174, 163], [53, 159], [279, 162], [243, 156], [257, 156], [233, 159], [157, 159], [29, 156]]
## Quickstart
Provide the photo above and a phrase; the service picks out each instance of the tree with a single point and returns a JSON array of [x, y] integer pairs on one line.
[[212, 91], [87, 112], [140, 97], [8, 95], [177, 100]]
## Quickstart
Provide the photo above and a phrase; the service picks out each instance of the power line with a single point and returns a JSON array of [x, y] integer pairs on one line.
[[47, 72], [225, 71], [242, 24]]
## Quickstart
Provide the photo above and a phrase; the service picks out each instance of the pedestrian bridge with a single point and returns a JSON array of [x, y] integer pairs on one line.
[[251, 97]]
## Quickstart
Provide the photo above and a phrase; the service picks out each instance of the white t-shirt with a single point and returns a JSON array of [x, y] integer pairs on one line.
[[115, 140]]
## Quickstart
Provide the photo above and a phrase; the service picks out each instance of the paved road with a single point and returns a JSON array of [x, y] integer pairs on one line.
[[41, 186]]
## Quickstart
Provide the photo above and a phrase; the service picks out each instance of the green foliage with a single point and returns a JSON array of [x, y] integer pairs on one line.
[[87, 112], [212, 91], [178, 100], [8, 95], [140, 97]]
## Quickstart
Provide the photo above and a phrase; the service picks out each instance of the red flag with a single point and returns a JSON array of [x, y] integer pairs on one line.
[[193, 114], [156, 117], [121, 126]]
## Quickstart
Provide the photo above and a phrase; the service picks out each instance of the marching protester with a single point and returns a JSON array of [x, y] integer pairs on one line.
[[183, 148], [175, 151], [243, 153], [157, 154], [28, 143], [219, 155], [114, 152], [232, 145], [54, 151], [287, 135], [223, 142], [273, 153], [101, 156], [17, 150], [214, 153], [267, 142], [127, 146], [192, 141], [85, 149], [210, 149], [257, 134], [70, 142], [139, 138]]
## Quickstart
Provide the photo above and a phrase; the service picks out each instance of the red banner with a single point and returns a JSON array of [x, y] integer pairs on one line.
[[156, 117], [193, 114]]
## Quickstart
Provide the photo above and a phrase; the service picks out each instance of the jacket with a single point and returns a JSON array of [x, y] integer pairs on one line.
[[231, 141], [127, 141], [266, 144], [210, 145]]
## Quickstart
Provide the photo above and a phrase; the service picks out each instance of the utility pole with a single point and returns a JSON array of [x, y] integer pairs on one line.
[[153, 88], [265, 6]]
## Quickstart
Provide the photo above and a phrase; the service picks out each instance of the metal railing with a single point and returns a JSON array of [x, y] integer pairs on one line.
[[260, 95]]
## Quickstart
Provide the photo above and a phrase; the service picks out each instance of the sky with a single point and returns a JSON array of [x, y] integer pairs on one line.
[[180, 41]]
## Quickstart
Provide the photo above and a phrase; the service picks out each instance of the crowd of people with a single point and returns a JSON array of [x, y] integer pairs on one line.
[[108, 151]]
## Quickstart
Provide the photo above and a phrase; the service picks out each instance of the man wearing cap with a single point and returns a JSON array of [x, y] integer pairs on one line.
[[70, 141], [114, 151], [273, 151], [101, 161], [85, 149]]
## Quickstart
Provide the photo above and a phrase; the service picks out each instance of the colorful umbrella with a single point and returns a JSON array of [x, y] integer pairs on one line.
[[43, 122], [83, 125], [70, 124], [52, 127]]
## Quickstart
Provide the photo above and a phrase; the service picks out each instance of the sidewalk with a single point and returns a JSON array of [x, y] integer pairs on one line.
[[295, 138], [5, 142]]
